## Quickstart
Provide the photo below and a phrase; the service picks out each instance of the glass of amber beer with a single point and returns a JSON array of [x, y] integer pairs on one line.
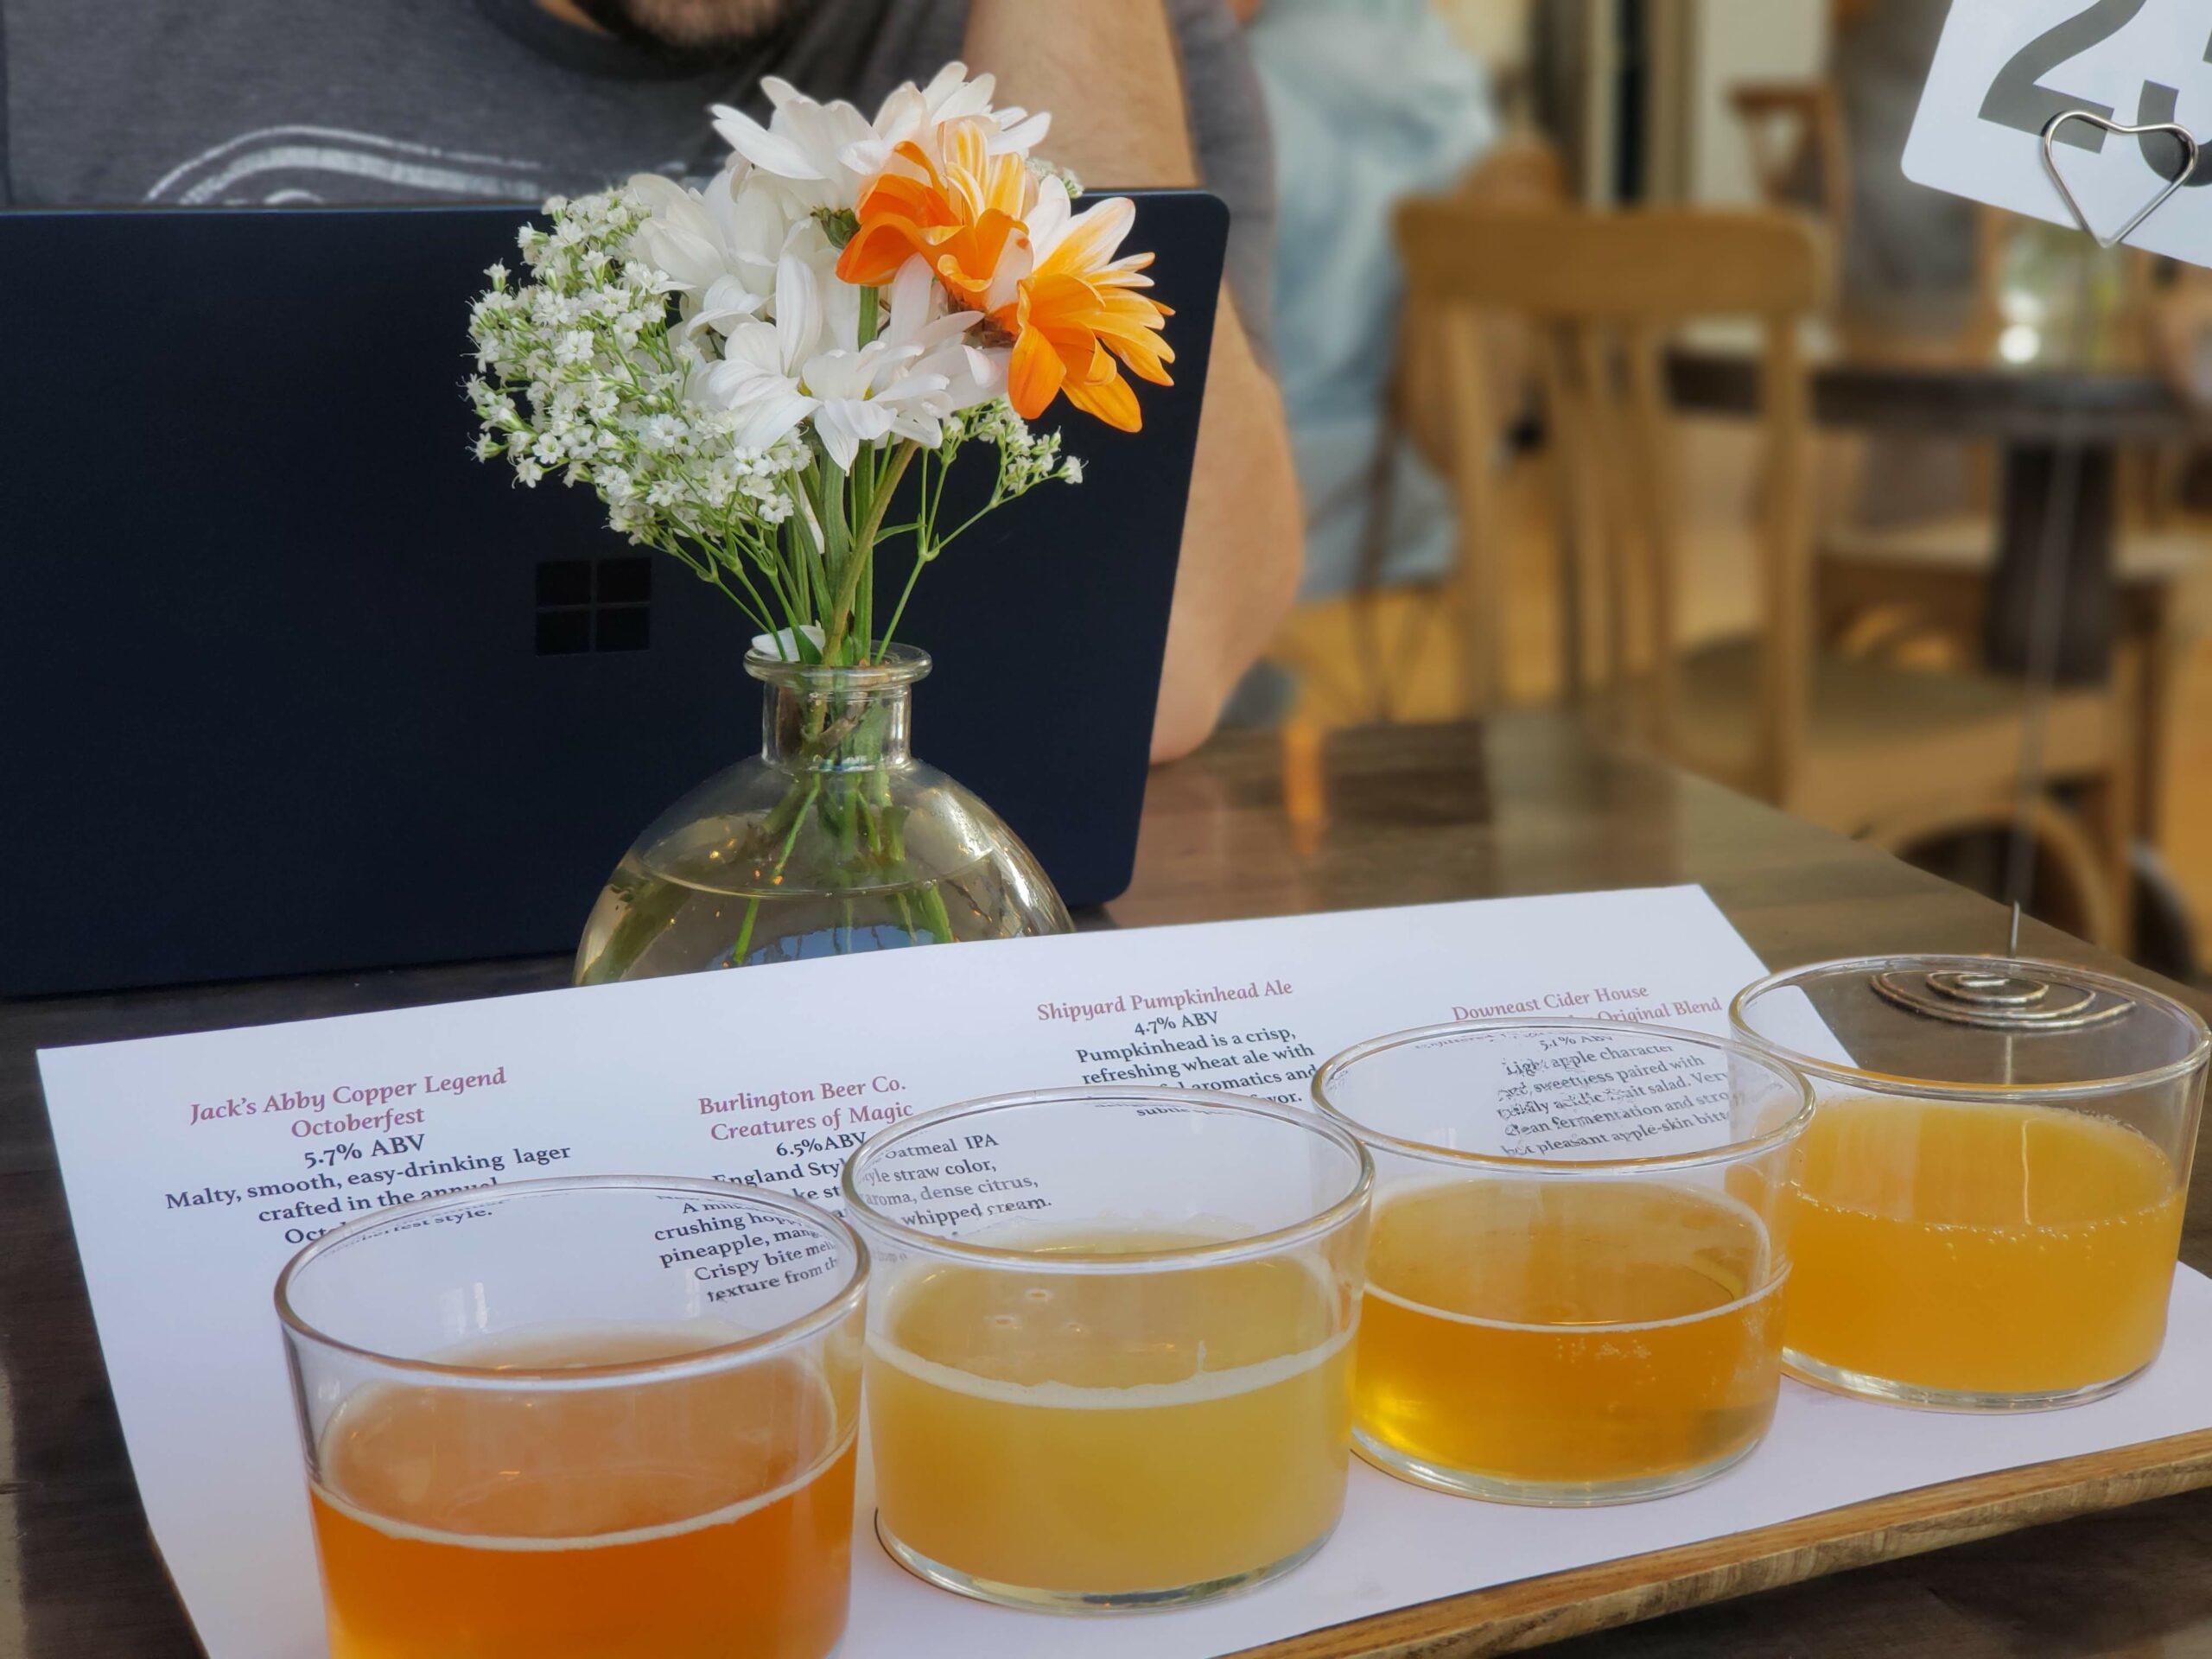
[[1577, 1254], [601, 1418], [1108, 1354], [1991, 1203]]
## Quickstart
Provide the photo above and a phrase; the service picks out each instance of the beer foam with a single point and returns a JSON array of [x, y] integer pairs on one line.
[[1412, 1192], [1134, 1234], [545, 1346], [1192, 1390], [738, 1511], [1428, 1311], [1136, 1237]]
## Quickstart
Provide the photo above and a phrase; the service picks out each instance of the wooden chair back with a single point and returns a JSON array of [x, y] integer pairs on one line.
[[1395, 641], [1603, 294], [1524, 172], [1801, 147]]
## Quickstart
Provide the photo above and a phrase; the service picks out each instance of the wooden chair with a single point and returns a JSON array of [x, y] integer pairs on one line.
[[1896, 756], [1923, 588], [1378, 654], [1801, 147]]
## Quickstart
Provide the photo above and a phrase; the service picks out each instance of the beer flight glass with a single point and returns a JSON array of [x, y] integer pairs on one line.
[[1110, 1342], [1577, 1258], [1121, 1343], [598, 1418], [1992, 1196]]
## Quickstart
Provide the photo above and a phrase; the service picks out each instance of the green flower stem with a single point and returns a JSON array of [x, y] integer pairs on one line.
[[861, 836], [733, 560], [646, 915], [839, 622], [893, 836], [783, 859], [899, 613]]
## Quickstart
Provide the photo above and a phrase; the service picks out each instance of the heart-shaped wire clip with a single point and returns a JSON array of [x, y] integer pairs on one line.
[[2051, 160]]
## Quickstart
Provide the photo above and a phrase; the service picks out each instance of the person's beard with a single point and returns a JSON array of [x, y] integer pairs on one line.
[[687, 25]]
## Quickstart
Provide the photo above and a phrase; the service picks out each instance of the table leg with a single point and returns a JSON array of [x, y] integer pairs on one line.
[[2087, 610]]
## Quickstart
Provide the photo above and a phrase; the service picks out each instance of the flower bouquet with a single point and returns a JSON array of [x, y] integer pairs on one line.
[[771, 378]]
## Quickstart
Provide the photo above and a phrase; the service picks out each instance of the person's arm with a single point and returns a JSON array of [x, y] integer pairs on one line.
[[1111, 77]]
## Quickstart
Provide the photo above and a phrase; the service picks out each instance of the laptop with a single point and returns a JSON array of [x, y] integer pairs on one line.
[[291, 682]]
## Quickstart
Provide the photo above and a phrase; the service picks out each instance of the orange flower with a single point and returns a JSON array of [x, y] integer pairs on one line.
[[1016, 250], [962, 211], [1079, 310]]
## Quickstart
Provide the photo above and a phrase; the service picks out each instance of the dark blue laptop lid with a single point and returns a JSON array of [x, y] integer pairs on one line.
[[292, 682]]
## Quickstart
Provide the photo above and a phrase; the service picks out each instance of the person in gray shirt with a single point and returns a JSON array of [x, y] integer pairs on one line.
[[1910, 247], [194, 103]]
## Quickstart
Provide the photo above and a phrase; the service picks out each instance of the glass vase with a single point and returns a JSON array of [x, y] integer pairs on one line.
[[833, 841]]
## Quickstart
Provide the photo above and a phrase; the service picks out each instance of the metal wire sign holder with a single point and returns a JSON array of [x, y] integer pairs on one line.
[[2061, 509], [2013, 999]]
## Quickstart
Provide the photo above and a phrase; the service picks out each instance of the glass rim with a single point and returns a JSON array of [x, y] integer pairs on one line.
[[901, 665], [835, 1305], [1318, 1226], [1734, 1152], [1890, 1083]]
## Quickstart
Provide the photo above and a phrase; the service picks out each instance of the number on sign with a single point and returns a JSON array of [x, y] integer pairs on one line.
[[1979, 131], [2162, 150], [2019, 99]]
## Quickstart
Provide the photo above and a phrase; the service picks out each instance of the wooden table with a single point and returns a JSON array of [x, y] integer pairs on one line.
[[1529, 804], [2046, 422]]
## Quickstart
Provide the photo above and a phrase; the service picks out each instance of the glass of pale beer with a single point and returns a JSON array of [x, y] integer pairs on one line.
[[1577, 1254], [597, 1418], [1991, 1203], [1109, 1348]]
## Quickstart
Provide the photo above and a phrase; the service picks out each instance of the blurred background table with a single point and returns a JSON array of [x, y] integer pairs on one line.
[[1845, 599], [2122, 588], [2033, 415], [1254, 826], [1796, 553]]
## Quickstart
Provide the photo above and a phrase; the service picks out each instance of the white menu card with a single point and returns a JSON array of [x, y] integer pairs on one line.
[[196, 1164]]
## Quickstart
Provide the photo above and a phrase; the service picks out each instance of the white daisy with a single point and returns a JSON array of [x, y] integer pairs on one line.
[[719, 246], [824, 155], [775, 378]]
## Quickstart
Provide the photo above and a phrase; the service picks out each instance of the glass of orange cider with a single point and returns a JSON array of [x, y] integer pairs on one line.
[[594, 1418], [1991, 1203], [1109, 1348], [1578, 1255]]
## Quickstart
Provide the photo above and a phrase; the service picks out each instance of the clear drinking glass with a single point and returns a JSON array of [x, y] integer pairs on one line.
[[601, 1418], [1109, 1355], [1994, 1180], [1578, 1255]]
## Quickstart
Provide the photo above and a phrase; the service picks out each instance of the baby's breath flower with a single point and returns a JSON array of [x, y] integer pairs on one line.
[[584, 369]]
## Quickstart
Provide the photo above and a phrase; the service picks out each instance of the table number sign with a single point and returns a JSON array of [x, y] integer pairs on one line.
[[2007, 69]]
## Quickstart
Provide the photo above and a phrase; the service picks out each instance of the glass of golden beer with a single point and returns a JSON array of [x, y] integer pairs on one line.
[[603, 1419], [1109, 1349], [1577, 1258], [1992, 1197]]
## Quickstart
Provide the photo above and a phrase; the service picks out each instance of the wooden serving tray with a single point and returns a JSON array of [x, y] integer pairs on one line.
[[1509, 1617]]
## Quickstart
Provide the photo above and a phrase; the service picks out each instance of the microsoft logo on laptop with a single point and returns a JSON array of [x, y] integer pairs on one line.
[[586, 605]]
